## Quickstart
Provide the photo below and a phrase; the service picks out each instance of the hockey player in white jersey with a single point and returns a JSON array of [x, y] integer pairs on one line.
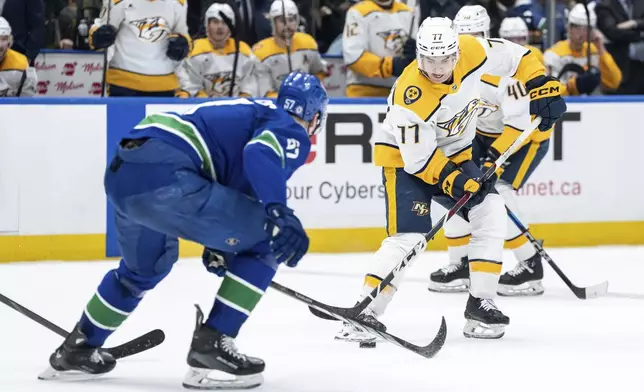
[[497, 126], [287, 50], [425, 150], [13, 66], [208, 71], [149, 40], [568, 60], [376, 46], [514, 29]]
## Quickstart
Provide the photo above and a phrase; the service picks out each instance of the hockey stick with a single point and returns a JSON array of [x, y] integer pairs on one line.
[[233, 32], [420, 247], [134, 346], [427, 351], [581, 292], [287, 40], [109, 11]]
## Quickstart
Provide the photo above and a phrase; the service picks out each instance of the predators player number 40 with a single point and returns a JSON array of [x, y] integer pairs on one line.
[[425, 150]]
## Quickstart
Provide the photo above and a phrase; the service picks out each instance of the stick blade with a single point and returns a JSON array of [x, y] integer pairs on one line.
[[598, 290], [137, 345]]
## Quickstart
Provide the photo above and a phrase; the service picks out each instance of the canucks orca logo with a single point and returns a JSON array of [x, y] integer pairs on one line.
[[220, 84], [151, 29], [458, 124], [394, 39]]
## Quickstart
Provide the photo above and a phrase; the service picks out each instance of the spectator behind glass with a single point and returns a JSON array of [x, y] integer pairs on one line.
[[622, 22], [27, 20]]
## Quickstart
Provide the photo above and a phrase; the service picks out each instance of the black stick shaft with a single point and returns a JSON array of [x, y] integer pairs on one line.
[[39, 319]]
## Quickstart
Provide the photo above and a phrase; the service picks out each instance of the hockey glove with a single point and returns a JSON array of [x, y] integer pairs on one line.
[[455, 183], [546, 101], [103, 37], [488, 161], [215, 261], [409, 49], [178, 47], [588, 81], [289, 241], [398, 64]]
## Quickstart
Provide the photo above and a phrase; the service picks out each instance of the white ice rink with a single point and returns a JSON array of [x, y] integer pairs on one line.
[[555, 342]]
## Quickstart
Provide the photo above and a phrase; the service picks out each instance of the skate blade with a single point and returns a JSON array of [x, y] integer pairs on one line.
[[527, 289], [455, 286], [201, 379], [68, 375], [478, 330]]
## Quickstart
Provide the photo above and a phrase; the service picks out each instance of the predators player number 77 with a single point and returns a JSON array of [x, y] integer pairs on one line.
[[425, 150]]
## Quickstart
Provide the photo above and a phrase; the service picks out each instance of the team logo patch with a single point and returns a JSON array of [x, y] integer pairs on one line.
[[420, 208], [412, 94], [393, 39], [151, 29]]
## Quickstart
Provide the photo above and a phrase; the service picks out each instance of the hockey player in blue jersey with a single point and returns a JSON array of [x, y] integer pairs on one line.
[[215, 175]]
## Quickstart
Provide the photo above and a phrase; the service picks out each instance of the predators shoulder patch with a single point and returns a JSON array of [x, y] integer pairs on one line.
[[411, 95]]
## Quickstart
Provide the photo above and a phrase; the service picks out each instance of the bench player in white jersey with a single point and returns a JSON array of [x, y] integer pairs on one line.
[[150, 39], [514, 29], [425, 149], [12, 67], [376, 46], [568, 59], [497, 126], [286, 50], [208, 71]]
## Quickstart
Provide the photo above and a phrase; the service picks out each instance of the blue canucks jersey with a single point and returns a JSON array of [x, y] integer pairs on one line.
[[248, 145]]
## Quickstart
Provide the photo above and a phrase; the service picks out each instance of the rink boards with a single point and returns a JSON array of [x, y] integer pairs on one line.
[[53, 152]]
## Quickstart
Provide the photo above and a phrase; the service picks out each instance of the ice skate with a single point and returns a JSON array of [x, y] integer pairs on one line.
[[75, 360], [352, 333], [216, 364], [484, 319], [524, 279], [453, 278]]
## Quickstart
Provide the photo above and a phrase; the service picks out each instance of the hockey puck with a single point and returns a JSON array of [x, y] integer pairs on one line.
[[367, 344]]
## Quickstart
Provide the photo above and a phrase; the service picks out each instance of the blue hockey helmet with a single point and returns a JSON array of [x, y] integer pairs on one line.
[[303, 95]]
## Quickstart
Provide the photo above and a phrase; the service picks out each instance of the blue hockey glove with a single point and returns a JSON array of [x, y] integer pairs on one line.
[[178, 47], [588, 81], [398, 64], [216, 262], [409, 48], [546, 101], [103, 37], [289, 241]]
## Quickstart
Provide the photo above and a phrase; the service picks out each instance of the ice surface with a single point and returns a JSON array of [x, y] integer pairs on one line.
[[555, 342]]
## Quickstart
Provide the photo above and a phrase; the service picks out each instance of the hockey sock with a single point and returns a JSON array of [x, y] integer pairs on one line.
[[246, 280], [112, 303]]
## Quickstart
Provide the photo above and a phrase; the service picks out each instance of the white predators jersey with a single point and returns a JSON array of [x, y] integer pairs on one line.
[[372, 36], [207, 72], [561, 54], [12, 67], [272, 61], [139, 60], [428, 124], [512, 101]]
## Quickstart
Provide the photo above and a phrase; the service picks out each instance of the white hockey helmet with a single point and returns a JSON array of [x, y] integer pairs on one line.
[[437, 49], [513, 27], [472, 19], [281, 7], [5, 27], [577, 15], [214, 12]]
